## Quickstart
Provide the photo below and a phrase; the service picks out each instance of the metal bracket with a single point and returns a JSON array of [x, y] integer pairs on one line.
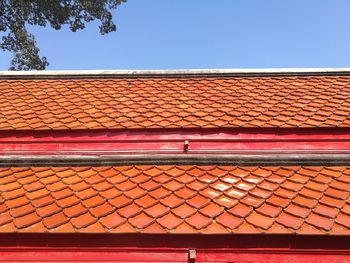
[[192, 255], [186, 145]]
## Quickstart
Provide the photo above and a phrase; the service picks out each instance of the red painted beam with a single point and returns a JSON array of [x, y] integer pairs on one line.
[[173, 248], [76, 255], [99, 256], [217, 141], [252, 242], [271, 258]]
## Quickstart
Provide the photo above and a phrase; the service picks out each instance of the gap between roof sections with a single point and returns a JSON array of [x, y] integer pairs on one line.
[[166, 159]]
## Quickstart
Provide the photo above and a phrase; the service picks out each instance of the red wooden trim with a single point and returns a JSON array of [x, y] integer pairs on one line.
[[271, 258], [161, 256], [173, 241], [220, 141], [173, 248]]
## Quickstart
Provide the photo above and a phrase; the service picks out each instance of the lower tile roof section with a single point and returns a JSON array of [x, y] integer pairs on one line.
[[176, 200]]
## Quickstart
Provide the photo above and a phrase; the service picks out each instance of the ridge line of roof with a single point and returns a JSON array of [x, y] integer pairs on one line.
[[175, 72]]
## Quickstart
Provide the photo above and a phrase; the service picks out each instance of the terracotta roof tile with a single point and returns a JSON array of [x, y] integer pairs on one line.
[[26, 221], [209, 201], [184, 211], [75, 210], [55, 220], [111, 221], [290, 220], [122, 103], [212, 210], [225, 201], [229, 221], [198, 221], [269, 210], [170, 221], [5, 218], [120, 201], [141, 221], [47, 210], [102, 210], [343, 220], [83, 220], [130, 210], [260, 220]]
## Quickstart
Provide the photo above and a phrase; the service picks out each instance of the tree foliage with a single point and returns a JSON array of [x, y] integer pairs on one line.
[[16, 15]]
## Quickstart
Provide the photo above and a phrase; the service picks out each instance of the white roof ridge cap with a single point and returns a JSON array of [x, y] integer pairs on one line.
[[233, 71]]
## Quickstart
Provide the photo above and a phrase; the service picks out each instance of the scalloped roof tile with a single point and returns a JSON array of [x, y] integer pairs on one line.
[[175, 102], [213, 200]]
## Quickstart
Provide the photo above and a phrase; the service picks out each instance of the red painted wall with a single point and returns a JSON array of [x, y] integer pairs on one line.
[[217, 141]]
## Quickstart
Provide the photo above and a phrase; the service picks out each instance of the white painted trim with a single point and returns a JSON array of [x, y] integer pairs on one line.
[[175, 72]]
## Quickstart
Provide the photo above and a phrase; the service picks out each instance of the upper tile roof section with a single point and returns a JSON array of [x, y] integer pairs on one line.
[[182, 101], [176, 200]]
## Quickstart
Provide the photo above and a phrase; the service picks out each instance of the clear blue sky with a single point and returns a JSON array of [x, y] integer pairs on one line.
[[170, 34]]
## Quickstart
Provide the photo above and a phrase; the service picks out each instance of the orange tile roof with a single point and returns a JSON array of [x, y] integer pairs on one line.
[[175, 102], [176, 199]]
